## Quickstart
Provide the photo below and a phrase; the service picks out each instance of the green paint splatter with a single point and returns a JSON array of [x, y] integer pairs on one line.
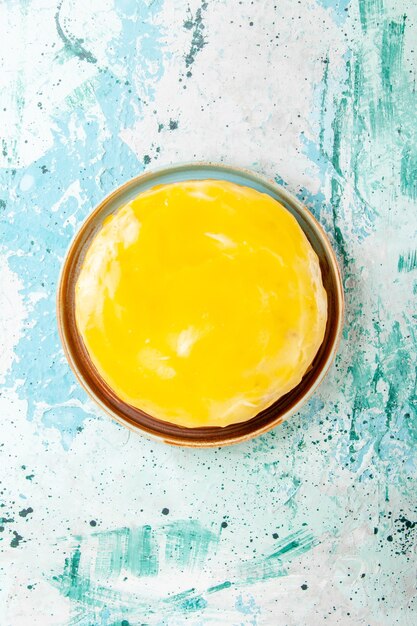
[[226, 585], [391, 53], [370, 12], [383, 393], [272, 468], [323, 100], [272, 565], [72, 45], [187, 543], [337, 126], [198, 41], [82, 96], [336, 198], [111, 552], [142, 552], [409, 169], [187, 601], [15, 542], [72, 585], [93, 588], [372, 152], [134, 550]]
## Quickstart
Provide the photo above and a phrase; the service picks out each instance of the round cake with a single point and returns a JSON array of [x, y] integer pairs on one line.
[[201, 303]]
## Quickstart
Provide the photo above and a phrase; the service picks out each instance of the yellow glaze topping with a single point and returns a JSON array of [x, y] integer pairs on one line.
[[201, 302]]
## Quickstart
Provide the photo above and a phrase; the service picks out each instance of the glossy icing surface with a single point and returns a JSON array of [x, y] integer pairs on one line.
[[201, 302]]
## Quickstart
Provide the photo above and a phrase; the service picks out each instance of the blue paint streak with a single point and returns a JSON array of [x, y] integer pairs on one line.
[[248, 607], [338, 9], [41, 373]]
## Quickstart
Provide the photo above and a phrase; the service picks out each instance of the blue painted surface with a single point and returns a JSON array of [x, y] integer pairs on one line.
[[314, 521]]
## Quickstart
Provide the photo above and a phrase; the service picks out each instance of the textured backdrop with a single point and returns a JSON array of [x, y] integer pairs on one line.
[[314, 523]]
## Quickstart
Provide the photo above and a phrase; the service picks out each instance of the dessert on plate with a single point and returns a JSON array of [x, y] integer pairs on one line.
[[201, 302]]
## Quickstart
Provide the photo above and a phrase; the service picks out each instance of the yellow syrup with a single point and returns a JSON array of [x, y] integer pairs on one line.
[[201, 302]]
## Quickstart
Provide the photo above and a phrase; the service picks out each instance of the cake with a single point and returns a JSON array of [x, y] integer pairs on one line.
[[201, 302]]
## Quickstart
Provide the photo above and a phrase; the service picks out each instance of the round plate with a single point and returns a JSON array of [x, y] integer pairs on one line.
[[134, 418]]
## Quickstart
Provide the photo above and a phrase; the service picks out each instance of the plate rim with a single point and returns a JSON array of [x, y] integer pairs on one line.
[[86, 231]]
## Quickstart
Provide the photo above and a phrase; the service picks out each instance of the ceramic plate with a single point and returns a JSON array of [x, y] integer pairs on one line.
[[134, 418]]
